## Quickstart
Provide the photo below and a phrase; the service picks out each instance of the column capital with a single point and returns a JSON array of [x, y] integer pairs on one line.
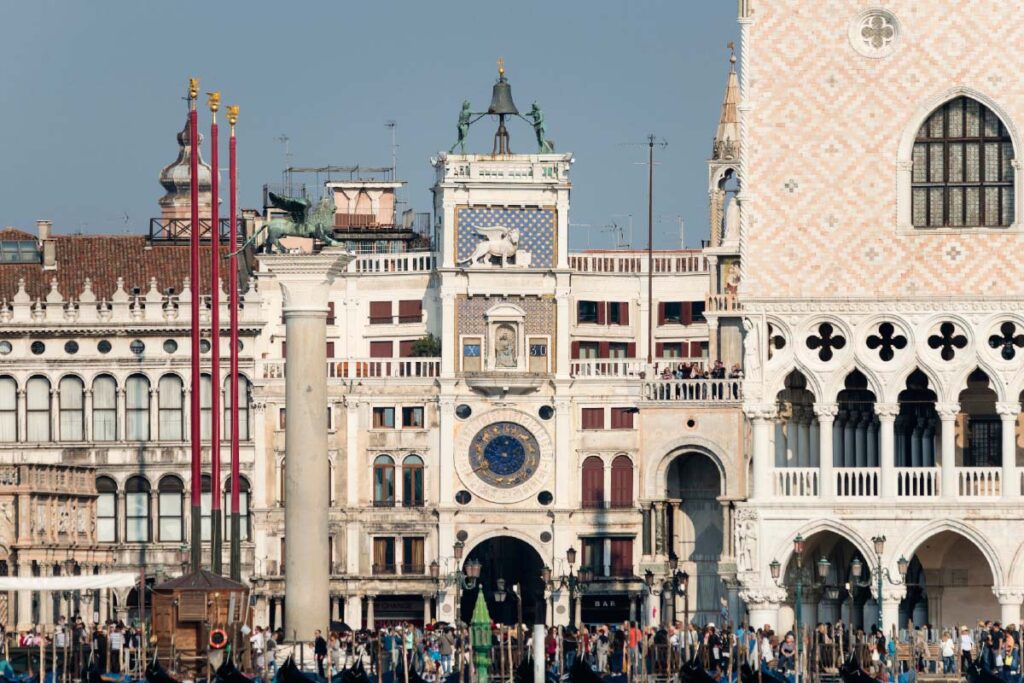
[[1008, 409], [947, 411], [826, 412], [760, 411], [764, 596], [1010, 595], [887, 412]]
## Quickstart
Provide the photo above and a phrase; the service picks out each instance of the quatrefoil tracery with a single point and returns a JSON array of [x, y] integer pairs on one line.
[[1007, 341], [826, 341], [888, 341], [947, 341]]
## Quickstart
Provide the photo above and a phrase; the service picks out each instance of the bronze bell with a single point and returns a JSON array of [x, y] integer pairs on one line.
[[501, 99]]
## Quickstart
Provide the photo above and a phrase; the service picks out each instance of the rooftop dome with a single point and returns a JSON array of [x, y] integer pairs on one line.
[[175, 179]]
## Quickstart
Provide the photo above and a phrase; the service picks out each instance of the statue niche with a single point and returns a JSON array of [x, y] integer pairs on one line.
[[506, 323], [505, 351]]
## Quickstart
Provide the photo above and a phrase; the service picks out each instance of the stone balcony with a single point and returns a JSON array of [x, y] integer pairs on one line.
[[911, 483]]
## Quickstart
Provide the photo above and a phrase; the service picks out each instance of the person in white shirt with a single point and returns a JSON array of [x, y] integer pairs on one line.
[[258, 645], [966, 648], [948, 652]]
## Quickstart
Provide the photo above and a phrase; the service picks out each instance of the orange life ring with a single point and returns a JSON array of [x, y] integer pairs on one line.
[[218, 639]]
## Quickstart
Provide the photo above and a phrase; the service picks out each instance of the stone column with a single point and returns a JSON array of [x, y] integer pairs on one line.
[[804, 439], [826, 414], [850, 438], [838, 430], [814, 443], [1008, 413], [370, 621], [809, 607], [427, 618], [928, 444], [891, 606], [660, 547], [1010, 600], [305, 282], [779, 442], [915, 442], [761, 416], [887, 413], [22, 414], [565, 465], [872, 443], [354, 611], [713, 336], [763, 606], [947, 414], [446, 449], [899, 448], [87, 416], [860, 438], [25, 599]]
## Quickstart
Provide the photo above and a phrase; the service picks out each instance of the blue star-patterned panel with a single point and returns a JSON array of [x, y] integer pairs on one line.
[[536, 230]]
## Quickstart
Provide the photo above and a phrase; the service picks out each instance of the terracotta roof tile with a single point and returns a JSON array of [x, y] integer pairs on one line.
[[15, 234], [103, 259]]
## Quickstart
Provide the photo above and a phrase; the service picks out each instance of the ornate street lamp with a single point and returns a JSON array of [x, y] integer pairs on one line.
[[880, 572]]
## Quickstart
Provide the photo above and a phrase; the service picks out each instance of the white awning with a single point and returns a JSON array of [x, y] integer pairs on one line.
[[69, 583]]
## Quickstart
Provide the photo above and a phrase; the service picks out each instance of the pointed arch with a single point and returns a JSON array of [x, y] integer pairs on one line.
[[912, 541], [783, 550]]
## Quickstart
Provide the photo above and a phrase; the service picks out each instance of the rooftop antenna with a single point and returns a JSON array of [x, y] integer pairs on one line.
[[664, 218], [392, 125], [620, 238], [582, 225], [626, 242]]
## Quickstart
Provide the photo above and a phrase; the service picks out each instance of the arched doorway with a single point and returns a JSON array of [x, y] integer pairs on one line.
[[952, 583], [695, 526], [515, 561]]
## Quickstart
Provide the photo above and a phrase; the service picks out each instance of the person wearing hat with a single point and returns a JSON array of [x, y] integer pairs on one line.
[[966, 648], [948, 652]]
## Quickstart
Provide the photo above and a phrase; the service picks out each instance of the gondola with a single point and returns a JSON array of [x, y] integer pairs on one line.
[[580, 672], [693, 672], [227, 672], [157, 674], [851, 672], [354, 674], [748, 675], [289, 673], [976, 673]]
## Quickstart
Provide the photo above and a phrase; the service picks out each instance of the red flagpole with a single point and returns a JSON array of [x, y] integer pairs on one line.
[[194, 434], [216, 522], [236, 530]]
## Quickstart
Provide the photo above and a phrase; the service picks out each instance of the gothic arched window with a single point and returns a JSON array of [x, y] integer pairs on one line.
[[963, 168]]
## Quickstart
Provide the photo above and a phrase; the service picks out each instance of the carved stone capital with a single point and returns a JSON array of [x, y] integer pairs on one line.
[[887, 412], [767, 596], [947, 411], [826, 412], [1008, 409], [761, 411], [1009, 595]]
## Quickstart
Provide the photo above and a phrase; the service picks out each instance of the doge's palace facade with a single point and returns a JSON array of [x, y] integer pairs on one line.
[[883, 294]]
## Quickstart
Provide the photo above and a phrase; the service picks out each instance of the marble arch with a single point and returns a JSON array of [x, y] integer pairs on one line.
[[913, 540], [656, 477], [784, 549], [478, 540]]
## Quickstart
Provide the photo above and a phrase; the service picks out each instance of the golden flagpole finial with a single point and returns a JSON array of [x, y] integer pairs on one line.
[[501, 67], [213, 99], [232, 114], [193, 88]]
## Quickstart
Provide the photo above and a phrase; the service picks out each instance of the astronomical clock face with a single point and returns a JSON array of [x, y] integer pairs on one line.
[[504, 456]]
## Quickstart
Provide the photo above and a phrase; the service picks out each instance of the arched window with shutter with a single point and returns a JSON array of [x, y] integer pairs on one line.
[[8, 409], [37, 399], [106, 510], [136, 404], [104, 408], [171, 508], [172, 408], [593, 482], [622, 482], [412, 481], [384, 481], [136, 503]]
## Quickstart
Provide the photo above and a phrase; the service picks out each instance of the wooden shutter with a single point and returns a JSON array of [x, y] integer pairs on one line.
[[602, 312], [623, 312], [659, 350], [381, 349], [405, 348], [330, 349], [574, 350], [622, 418], [593, 418], [686, 314], [410, 311], [593, 482], [380, 312], [622, 482], [661, 312], [622, 557], [330, 312], [284, 349], [631, 350], [602, 349]]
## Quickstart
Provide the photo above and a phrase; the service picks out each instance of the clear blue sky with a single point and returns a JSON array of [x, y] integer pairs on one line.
[[92, 97]]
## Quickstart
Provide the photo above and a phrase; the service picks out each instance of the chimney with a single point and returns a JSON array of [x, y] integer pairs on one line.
[[47, 244]]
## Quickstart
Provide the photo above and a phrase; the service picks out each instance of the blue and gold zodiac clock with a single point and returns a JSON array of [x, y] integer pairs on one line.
[[504, 454]]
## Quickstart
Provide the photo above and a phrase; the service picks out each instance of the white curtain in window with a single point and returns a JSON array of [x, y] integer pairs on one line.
[[72, 407], [104, 409], [38, 404], [106, 518], [172, 418], [8, 409], [205, 509], [137, 408], [137, 514]]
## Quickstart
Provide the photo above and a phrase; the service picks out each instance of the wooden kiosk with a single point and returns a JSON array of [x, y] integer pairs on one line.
[[187, 609]]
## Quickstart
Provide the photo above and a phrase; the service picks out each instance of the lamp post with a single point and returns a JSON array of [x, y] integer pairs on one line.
[[462, 580], [857, 570], [576, 584], [823, 567]]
